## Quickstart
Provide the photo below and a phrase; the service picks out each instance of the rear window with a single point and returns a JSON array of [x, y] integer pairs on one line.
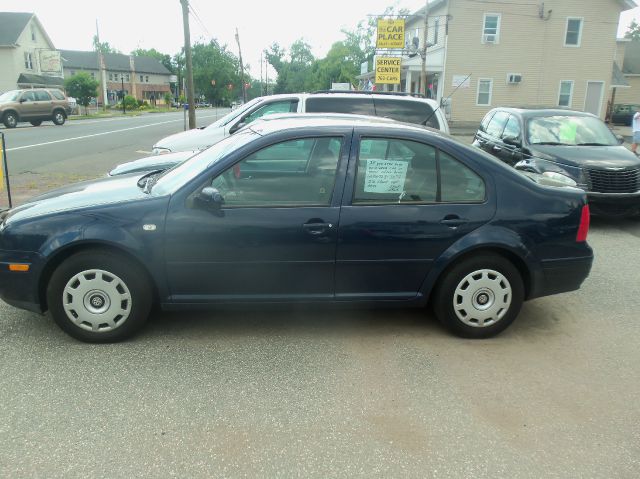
[[355, 106], [408, 111]]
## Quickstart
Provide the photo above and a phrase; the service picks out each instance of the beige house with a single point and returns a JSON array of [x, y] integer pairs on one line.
[[28, 58], [628, 60], [488, 54]]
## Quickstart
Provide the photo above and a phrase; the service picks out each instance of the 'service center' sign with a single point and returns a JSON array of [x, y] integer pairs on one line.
[[388, 70]]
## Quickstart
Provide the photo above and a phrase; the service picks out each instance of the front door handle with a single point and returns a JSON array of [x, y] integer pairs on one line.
[[316, 229], [496, 148]]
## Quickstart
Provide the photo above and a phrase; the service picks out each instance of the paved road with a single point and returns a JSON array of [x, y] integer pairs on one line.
[[40, 158], [299, 393]]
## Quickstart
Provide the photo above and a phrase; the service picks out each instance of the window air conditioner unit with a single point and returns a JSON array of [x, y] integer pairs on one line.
[[488, 38], [514, 78]]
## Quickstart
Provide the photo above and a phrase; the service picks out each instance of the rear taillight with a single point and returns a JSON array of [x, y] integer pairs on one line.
[[583, 229]]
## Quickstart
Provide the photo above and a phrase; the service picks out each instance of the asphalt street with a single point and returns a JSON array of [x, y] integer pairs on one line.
[[44, 157], [326, 392]]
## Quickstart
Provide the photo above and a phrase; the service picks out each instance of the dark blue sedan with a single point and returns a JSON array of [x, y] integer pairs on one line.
[[300, 210]]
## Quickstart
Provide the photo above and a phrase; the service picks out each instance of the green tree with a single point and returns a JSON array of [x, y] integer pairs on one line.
[[168, 98], [82, 87], [214, 69], [103, 47], [633, 31], [295, 74]]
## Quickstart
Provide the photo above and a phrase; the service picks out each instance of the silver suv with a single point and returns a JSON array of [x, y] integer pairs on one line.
[[35, 106]]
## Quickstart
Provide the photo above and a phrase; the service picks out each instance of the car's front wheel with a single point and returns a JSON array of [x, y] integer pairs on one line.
[[479, 296], [98, 296], [10, 119], [59, 117]]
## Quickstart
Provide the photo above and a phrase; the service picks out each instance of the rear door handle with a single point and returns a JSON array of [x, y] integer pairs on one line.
[[497, 148], [316, 229], [453, 221]]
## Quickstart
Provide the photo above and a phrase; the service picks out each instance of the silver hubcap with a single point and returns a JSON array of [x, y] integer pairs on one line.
[[11, 120], [96, 300], [59, 117], [482, 298]]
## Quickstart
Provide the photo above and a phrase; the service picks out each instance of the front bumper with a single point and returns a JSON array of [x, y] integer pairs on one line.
[[614, 204], [17, 288]]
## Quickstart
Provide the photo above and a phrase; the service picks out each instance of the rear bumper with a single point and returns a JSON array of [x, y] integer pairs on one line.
[[563, 275]]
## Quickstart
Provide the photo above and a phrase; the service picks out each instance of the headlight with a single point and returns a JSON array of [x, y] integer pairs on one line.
[[158, 150], [560, 178]]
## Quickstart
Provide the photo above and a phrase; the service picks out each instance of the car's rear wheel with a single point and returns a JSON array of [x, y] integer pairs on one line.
[[10, 119], [98, 296], [59, 117], [480, 296], [36, 122]]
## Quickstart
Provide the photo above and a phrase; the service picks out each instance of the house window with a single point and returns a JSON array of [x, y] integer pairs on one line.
[[33, 32], [436, 29], [566, 93], [28, 61], [573, 37], [127, 78], [72, 72], [110, 76], [491, 29], [141, 78], [146, 79], [93, 75], [485, 88]]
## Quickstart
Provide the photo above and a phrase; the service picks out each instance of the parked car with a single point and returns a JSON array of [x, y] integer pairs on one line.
[[622, 114], [396, 106], [303, 210], [570, 146], [34, 106], [203, 104]]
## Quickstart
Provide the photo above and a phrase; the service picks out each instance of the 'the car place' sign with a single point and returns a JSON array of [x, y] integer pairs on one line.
[[390, 33], [388, 70]]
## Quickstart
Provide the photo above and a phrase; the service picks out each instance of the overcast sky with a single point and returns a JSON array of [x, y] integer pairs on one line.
[[129, 24]]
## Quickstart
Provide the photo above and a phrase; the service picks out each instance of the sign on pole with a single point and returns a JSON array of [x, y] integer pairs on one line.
[[390, 33], [4, 172], [388, 70]]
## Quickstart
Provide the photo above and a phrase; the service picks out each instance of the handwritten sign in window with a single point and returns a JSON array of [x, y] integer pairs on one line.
[[385, 176]]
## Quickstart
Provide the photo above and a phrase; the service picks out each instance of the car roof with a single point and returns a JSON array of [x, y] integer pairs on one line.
[[373, 94], [536, 111], [321, 122]]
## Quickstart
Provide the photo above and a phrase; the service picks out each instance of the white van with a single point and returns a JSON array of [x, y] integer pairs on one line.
[[401, 107]]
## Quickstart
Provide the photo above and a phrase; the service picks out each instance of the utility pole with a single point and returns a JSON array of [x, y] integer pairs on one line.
[[261, 84], [124, 107], [187, 54], [423, 74], [244, 91], [102, 69]]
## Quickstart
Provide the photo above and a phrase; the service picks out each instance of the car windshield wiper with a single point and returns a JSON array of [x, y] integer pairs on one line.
[[552, 143], [593, 144]]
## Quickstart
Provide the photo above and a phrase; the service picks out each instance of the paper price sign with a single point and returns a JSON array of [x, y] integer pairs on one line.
[[385, 176]]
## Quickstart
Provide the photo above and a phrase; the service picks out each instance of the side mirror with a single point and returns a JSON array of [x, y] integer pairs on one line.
[[620, 139], [211, 198], [22, 100], [236, 127], [513, 141]]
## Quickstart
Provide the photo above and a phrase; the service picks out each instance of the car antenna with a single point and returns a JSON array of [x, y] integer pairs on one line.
[[448, 98]]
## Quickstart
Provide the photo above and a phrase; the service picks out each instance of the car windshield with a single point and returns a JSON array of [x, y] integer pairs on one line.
[[569, 130], [184, 172], [233, 114], [9, 96]]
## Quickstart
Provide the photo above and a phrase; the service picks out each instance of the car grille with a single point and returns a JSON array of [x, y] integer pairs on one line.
[[606, 181]]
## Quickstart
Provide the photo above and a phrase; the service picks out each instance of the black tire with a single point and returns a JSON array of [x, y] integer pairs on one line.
[[10, 119], [36, 122], [59, 117], [94, 284], [463, 300]]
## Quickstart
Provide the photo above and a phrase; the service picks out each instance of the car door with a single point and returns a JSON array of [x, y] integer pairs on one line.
[[510, 148], [28, 105], [275, 235], [490, 140], [405, 202], [44, 104]]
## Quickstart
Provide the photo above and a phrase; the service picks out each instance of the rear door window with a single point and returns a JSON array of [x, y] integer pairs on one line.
[[57, 94], [42, 95], [409, 111], [355, 106]]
